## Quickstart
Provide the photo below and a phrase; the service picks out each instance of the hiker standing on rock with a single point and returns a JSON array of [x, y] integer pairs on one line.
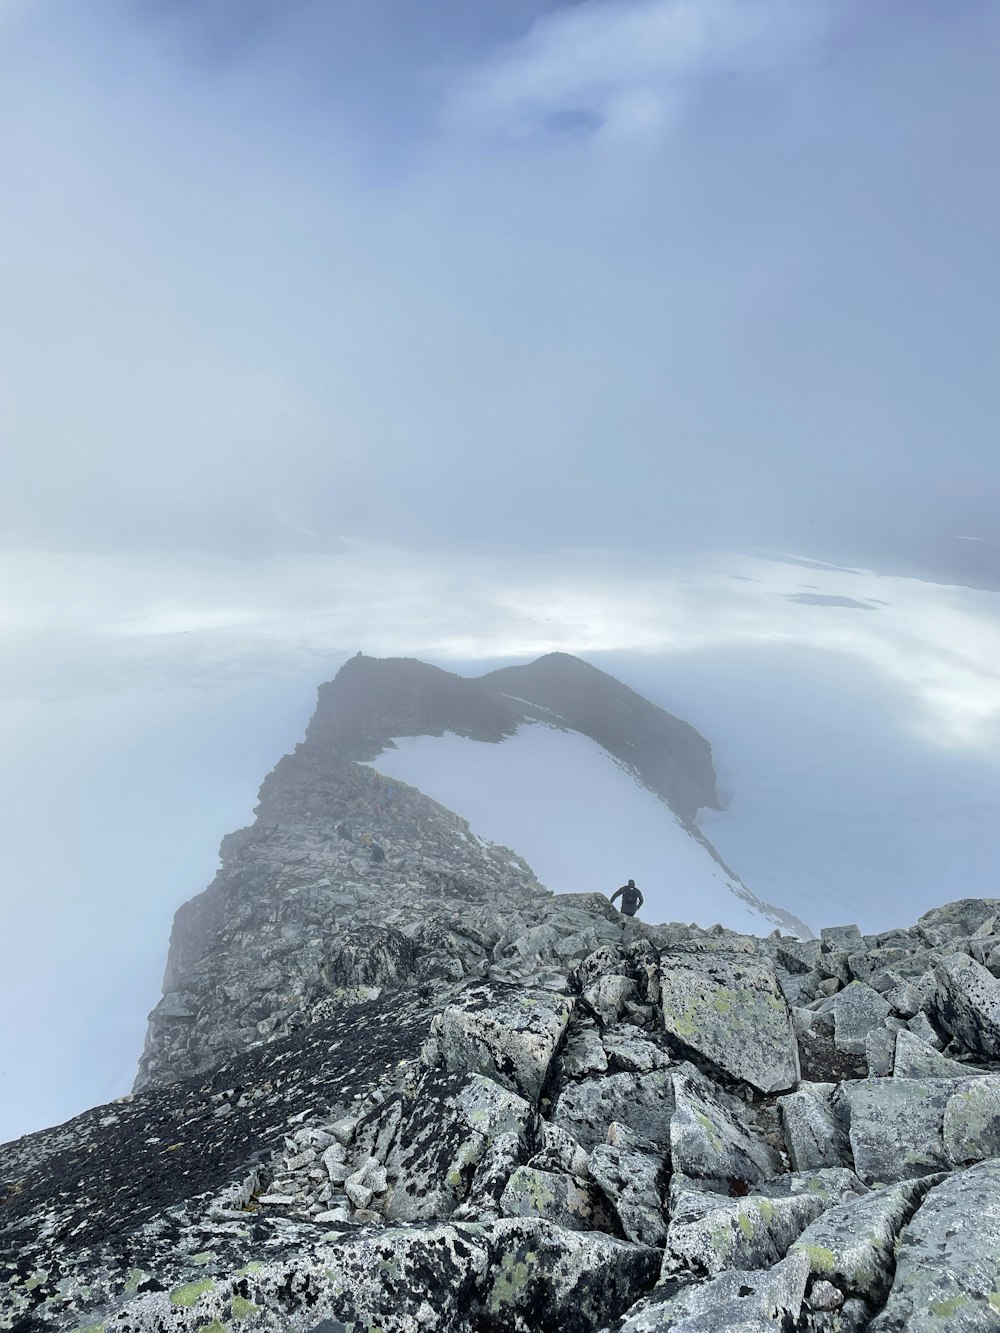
[[631, 898]]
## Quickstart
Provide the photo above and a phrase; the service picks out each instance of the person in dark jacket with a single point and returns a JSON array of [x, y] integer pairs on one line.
[[631, 898], [378, 852]]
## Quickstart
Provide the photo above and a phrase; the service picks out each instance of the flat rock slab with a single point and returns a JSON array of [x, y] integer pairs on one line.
[[948, 1260], [730, 1009]]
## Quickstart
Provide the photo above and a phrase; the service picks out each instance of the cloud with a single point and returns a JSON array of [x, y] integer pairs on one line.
[[93, 625], [626, 69]]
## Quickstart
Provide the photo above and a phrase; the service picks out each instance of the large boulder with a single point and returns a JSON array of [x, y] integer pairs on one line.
[[968, 1005], [729, 1009], [632, 1178], [733, 1302], [948, 1260], [709, 1233], [814, 1137], [897, 1127], [709, 1140], [643, 1102], [508, 1033], [547, 1277], [851, 1245], [555, 1195]]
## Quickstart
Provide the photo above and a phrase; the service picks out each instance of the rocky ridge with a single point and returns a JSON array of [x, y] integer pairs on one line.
[[422, 1093]]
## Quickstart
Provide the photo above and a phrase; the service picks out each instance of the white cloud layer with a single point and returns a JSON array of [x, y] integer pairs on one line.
[[95, 623], [625, 69]]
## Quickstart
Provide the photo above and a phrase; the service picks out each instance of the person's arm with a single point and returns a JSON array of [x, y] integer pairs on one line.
[[641, 898], [617, 894]]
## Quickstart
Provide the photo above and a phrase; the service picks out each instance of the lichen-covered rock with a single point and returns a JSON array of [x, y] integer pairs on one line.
[[632, 1180], [733, 1302], [972, 1121], [897, 1127], [851, 1245], [556, 1196], [432, 1141], [709, 1234], [857, 1009], [510, 1034], [948, 1260], [643, 1102], [915, 1059], [708, 1141], [814, 1136], [968, 1005], [729, 1009], [567, 1280]]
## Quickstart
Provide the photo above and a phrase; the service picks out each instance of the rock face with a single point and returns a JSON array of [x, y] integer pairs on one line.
[[422, 1093]]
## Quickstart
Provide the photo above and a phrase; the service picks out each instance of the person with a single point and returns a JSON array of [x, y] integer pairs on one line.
[[378, 852], [631, 898]]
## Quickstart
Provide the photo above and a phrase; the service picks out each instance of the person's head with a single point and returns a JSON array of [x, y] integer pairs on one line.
[[631, 883]]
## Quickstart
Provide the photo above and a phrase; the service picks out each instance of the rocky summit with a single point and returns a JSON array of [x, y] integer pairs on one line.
[[394, 1085]]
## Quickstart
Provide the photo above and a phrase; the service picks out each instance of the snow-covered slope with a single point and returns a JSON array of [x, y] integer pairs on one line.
[[580, 820]]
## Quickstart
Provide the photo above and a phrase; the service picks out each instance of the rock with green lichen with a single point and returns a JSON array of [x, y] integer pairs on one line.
[[948, 1260], [511, 1037], [709, 1234], [851, 1245], [710, 1138], [734, 1302], [729, 1010], [972, 1121], [556, 1196]]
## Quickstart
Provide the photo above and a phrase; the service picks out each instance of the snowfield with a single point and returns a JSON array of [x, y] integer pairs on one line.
[[579, 819]]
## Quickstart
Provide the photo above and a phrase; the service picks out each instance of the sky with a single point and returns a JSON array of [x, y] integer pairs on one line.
[[471, 331], [667, 273]]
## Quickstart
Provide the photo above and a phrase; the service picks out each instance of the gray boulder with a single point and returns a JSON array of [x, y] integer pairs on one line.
[[733, 1302], [555, 1195], [729, 1009], [857, 1009], [851, 1245], [509, 1033], [813, 1135], [709, 1139], [897, 1127], [709, 1234], [632, 1180], [915, 1059], [643, 1102], [972, 1121], [968, 1005], [580, 1280], [948, 1260]]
